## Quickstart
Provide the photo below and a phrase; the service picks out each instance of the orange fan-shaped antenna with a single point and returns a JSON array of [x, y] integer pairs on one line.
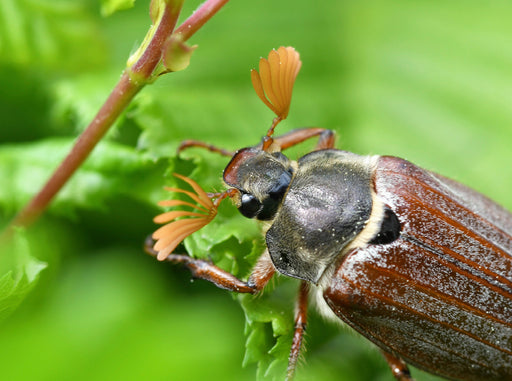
[[274, 82], [169, 236]]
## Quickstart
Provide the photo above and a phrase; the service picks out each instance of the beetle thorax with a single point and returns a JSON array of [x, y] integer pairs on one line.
[[327, 205]]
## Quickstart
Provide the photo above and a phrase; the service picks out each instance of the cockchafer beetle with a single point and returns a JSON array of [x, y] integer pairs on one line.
[[417, 263]]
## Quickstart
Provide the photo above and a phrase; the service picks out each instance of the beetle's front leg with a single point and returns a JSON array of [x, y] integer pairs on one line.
[[300, 328], [294, 137], [398, 367], [201, 269]]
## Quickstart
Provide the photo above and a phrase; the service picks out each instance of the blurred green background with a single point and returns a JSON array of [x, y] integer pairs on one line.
[[430, 81]]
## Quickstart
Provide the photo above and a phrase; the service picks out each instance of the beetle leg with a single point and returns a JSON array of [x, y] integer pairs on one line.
[[205, 270], [398, 367], [300, 327], [325, 138], [262, 272], [196, 143], [201, 269]]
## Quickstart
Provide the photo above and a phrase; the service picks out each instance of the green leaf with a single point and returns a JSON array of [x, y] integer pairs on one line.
[[108, 7], [19, 271], [269, 329]]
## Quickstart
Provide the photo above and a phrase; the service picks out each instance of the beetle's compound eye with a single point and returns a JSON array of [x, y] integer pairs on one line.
[[249, 205]]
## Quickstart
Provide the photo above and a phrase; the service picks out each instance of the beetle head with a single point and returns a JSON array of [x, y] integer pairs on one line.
[[261, 178]]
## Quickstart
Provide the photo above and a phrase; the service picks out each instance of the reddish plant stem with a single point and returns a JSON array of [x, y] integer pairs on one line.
[[199, 18], [147, 63], [131, 82]]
